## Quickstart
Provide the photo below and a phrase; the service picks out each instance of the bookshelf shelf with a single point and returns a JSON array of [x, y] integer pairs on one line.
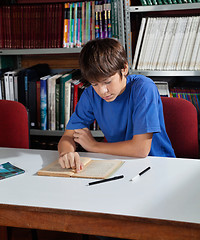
[[39, 51], [167, 73], [169, 7], [58, 133]]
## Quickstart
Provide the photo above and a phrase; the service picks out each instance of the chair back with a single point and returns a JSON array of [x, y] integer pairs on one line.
[[182, 126], [14, 125]]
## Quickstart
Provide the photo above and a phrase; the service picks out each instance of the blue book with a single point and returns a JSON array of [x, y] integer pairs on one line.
[[109, 19], [9, 170], [43, 102], [97, 33]]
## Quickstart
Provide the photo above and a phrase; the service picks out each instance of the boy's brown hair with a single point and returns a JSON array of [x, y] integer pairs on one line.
[[102, 58]]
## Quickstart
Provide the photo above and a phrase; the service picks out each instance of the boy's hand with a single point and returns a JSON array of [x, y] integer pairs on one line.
[[70, 160], [84, 138]]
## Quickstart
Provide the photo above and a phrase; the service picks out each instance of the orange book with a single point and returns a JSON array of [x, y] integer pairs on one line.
[[66, 25]]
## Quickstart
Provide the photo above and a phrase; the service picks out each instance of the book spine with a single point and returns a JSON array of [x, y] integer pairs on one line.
[[100, 20], [43, 103], [15, 88], [66, 26], [72, 99], [79, 20], [105, 14], [75, 26], [38, 104], [57, 91], [97, 33], [71, 31], [6, 86], [11, 86], [83, 23], [109, 19]]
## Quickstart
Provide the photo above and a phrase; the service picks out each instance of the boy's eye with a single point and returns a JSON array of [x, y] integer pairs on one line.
[[94, 84], [108, 82]]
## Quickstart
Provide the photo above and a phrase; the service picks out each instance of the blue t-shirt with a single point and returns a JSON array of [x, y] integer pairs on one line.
[[137, 110]]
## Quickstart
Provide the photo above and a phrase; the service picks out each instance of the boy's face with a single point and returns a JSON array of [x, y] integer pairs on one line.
[[109, 89]]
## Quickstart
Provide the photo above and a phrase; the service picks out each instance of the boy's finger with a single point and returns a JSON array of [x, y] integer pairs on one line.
[[66, 161], [61, 162], [77, 161]]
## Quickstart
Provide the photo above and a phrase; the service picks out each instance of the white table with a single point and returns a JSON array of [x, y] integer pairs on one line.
[[164, 203]]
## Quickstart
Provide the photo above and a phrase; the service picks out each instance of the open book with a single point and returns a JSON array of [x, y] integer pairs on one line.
[[91, 169]]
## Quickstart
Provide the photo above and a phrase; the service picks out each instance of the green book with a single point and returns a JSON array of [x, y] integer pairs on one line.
[[66, 77], [8, 170], [160, 2], [169, 1], [63, 79], [143, 2], [57, 99], [149, 2], [154, 2]]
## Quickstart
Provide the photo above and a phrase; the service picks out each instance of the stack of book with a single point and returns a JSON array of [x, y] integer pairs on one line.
[[168, 43]]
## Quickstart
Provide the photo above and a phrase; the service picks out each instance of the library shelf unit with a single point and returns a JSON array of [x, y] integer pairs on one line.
[[58, 59], [170, 9]]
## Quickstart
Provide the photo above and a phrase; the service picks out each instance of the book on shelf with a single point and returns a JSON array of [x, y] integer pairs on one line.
[[97, 9], [191, 94], [51, 103], [168, 43], [139, 42], [98, 169], [43, 102], [66, 25], [163, 88], [9, 170], [64, 78], [79, 24], [6, 86]]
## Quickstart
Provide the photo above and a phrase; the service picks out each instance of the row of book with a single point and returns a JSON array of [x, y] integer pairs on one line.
[[161, 2], [31, 26], [192, 95], [168, 43], [49, 98], [57, 25], [84, 21]]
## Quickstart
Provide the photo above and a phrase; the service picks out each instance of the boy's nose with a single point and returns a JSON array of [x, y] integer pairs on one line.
[[103, 89]]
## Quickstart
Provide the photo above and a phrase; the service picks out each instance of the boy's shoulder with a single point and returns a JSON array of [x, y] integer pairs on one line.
[[139, 79], [141, 84]]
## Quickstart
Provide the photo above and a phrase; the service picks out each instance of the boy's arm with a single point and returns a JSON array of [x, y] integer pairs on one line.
[[68, 157], [138, 146], [66, 143]]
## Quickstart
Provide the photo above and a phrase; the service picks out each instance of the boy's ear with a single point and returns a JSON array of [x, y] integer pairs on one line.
[[125, 70]]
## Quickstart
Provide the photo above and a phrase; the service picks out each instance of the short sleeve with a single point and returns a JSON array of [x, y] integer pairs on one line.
[[146, 109], [83, 115]]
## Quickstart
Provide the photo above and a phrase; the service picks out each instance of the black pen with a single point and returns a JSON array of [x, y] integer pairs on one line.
[[106, 180], [141, 173]]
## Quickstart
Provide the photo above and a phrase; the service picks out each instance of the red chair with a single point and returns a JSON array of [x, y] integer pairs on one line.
[[182, 126], [14, 133], [14, 126]]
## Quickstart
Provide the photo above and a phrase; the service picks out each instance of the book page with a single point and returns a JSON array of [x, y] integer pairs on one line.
[[54, 169], [99, 169]]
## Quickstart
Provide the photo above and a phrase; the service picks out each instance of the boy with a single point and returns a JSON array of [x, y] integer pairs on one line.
[[128, 109]]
